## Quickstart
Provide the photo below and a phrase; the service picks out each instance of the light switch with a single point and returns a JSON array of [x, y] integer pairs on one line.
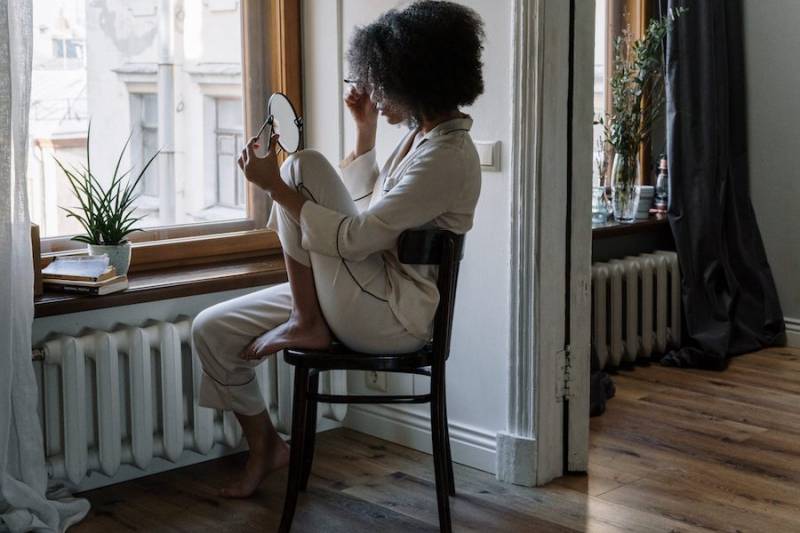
[[489, 155]]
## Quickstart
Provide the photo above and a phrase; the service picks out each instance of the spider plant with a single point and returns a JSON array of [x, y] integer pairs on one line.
[[107, 214]]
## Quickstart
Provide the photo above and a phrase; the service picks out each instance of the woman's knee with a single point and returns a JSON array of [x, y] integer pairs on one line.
[[308, 168], [204, 329]]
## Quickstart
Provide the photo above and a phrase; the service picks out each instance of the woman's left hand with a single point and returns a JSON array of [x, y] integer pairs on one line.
[[261, 171]]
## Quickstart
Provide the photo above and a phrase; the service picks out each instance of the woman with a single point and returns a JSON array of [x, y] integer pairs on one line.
[[339, 235]]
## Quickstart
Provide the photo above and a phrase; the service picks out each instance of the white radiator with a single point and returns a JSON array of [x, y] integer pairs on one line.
[[127, 396], [636, 308]]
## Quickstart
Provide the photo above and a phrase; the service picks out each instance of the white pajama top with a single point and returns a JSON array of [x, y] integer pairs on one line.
[[436, 184]]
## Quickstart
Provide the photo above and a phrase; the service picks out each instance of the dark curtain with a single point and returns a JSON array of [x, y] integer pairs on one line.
[[729, 298]]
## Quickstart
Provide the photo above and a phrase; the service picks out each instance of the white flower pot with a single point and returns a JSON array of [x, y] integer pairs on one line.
[[119, 255]]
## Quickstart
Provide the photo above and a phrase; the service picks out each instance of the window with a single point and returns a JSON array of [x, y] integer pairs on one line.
[[611, 16], [102, 61], [68, 48], [119, 87], [601, 44], [123, 90], [229, 137]]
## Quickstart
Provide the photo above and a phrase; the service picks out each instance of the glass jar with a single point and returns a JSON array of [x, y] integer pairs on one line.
[[599, 206]]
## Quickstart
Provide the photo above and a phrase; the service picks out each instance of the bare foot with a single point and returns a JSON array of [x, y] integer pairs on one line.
[[259, 464], [293, 333]]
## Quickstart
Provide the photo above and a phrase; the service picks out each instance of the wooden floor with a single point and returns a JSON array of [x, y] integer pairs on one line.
[[677, 450]]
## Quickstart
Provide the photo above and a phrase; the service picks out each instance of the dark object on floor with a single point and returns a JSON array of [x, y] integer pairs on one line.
[[728, 292], [417, 247], [601, 389]]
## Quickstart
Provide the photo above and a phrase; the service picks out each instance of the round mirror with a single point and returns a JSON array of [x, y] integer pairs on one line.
[[285, 122]]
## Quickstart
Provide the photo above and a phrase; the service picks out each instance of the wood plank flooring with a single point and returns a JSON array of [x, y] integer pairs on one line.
[[677, 450]]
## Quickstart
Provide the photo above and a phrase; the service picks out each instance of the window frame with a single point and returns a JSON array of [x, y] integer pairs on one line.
[[271, 61]]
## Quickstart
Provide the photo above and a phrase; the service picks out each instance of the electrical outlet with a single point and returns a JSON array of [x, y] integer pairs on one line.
[[376, 381]]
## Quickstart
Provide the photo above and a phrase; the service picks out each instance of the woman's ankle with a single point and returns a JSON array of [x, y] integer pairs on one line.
[[309, 321]]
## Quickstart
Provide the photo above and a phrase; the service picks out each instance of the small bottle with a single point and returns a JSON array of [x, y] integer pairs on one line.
[[661, 200]]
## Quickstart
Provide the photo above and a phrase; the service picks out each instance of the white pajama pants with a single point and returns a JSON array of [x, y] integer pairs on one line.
[[352, 297]]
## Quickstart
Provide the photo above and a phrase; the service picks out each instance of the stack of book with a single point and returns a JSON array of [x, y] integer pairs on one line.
[[83, 275]]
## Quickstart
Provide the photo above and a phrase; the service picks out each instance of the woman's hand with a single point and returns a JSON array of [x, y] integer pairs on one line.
[[365, 115], [264, 172], [362, 108], [261, 171]]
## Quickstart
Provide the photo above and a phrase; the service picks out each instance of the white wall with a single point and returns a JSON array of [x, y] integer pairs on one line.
[[477, 378], [773, 114]]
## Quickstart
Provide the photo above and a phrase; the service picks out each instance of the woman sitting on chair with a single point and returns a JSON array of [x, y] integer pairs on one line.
[[417, 67]]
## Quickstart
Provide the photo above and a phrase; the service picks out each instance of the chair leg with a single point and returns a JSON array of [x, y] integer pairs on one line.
[[451, 481], [440, 453], [311, 431], [296, 450]]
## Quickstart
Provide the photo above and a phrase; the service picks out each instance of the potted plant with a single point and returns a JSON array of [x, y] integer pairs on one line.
[[107, 214], [637, 101]]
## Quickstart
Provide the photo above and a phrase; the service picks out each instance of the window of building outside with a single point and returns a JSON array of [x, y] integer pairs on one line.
[[99, 62], [144, 139], [229, 137]]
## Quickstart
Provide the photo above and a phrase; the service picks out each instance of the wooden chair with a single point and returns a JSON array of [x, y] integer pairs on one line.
[[428, 247]]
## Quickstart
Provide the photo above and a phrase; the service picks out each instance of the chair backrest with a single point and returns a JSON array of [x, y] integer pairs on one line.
[[445, 249]]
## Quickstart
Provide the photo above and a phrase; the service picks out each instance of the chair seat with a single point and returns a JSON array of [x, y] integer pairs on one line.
[[340, 357]]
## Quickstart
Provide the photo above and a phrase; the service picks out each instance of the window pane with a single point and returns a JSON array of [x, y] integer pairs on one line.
[[150, 110], [99, 61], [229, 114], [149, 146], [230, 141]]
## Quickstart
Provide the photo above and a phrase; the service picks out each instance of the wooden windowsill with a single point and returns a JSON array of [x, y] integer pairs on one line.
[[615, 229], [168, 283]]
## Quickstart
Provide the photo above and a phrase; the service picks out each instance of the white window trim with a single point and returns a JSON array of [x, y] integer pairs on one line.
[[214, 84]]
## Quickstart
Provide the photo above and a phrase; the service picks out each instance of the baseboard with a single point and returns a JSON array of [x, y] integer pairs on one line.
[[470, 446], [516, 459], [792, 332]]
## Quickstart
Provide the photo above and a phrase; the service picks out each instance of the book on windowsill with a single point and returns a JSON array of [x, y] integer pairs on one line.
[[81, 268], [115, 284], [109, 273]]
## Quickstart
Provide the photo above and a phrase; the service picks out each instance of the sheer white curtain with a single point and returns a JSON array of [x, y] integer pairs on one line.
[[24, 502]]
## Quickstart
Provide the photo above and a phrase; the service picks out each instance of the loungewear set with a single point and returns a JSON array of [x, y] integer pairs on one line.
[[347, 234]]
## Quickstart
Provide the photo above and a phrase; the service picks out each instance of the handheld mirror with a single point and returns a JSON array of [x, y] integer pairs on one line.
[[285, 122]]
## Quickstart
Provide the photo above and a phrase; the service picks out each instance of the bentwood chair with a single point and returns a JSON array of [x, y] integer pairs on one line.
[[420, 247]]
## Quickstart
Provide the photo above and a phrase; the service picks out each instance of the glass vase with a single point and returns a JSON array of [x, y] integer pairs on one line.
[[599, 208], [625, 188]]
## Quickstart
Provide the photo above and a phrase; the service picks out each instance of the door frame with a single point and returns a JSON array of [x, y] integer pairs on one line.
[[548, 408]]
